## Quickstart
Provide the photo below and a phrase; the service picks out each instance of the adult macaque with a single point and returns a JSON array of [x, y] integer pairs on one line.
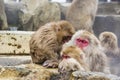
[[46, 42], [96, 58], [82, 13], [109, 42]]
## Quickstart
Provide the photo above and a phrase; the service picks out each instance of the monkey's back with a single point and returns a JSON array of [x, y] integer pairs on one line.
[[43, 42], [82, 13]]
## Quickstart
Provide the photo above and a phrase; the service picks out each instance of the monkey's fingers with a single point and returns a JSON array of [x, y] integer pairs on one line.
[[50, 64]]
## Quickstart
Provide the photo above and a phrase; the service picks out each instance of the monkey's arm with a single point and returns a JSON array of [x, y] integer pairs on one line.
[[99, 62]]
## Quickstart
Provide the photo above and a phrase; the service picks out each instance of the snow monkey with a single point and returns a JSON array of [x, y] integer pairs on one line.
[[88, 42], [109, 42], [73, 59], [82, 13], [47, 41]]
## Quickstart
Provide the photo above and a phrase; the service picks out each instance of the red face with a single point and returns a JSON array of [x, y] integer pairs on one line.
[[81, 43], [65, 56]]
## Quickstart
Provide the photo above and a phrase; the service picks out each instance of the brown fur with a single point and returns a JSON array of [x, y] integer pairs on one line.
[[109, 42], [96, 58], [77, 62], [82, 13], [46, 42]]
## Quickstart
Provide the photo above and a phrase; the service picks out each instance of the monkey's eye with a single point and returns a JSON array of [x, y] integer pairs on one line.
[[65, 57], [83, 41]]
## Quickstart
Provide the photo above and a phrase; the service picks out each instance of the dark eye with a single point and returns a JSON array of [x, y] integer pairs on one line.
[[78, 40], [65, 57]]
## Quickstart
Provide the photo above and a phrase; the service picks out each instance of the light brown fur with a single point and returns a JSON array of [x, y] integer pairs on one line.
[[77, 60], [46, 42], [109, 42], [96, 58], [82, 13]]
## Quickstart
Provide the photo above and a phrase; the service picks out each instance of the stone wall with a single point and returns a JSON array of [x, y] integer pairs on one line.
[[3, 20]]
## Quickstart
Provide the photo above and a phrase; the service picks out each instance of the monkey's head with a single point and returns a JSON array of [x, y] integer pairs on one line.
[[108, 40], [85, 40], [71, 58], [71, 52], [64, 31]]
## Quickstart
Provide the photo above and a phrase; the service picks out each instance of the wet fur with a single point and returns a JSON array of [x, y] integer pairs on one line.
[[82, 13], [109, 42], [46, 42], [77, 60], [96, 58]]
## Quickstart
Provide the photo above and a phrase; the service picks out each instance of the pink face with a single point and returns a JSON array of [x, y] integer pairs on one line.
[[81, 43], [65, 56]]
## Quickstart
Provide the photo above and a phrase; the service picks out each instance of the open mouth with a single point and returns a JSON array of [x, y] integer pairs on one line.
[[66, 39]]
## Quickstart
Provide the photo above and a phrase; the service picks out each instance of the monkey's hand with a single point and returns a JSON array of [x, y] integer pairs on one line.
[[50, 64], [68, 65]]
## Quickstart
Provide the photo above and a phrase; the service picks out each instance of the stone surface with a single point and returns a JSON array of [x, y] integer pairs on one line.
[[3, 20], [111, 8], [27, 72], [40, 12], [107, 23], [93, 76], [13, 60], [37, 72], [14, 42], [12, 10]]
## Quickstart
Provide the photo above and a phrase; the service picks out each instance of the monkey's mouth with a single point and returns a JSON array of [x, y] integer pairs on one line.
[[66, 39]]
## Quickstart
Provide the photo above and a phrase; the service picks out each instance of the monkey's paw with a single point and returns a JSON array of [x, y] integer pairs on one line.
[[50, 64]]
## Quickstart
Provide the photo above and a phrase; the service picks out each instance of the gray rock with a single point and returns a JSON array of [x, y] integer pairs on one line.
[[107, 23], [78, 75], [37, 72], [12, 10], [14, 60], [111, 8], [3, 20], [37, 14]]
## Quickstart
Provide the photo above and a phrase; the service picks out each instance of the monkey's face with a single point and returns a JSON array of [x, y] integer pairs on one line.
[[65, 32], [71, 57], [71, 52], [85, 40], [81, 42], [108, 40]]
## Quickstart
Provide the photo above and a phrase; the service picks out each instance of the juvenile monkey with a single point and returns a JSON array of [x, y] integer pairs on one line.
[[82, 13], [109, 42], [46, 42], [73, 59], [91, 46]]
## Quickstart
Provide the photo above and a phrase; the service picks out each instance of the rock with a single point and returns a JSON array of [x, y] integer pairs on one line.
[[107, 23], [64, 7], [37, 72], [69, 0], [12, 10], [111, 8], [14, 42], [3, 20], [13, 60], [40, 12], [27, 72], [78, 75]]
